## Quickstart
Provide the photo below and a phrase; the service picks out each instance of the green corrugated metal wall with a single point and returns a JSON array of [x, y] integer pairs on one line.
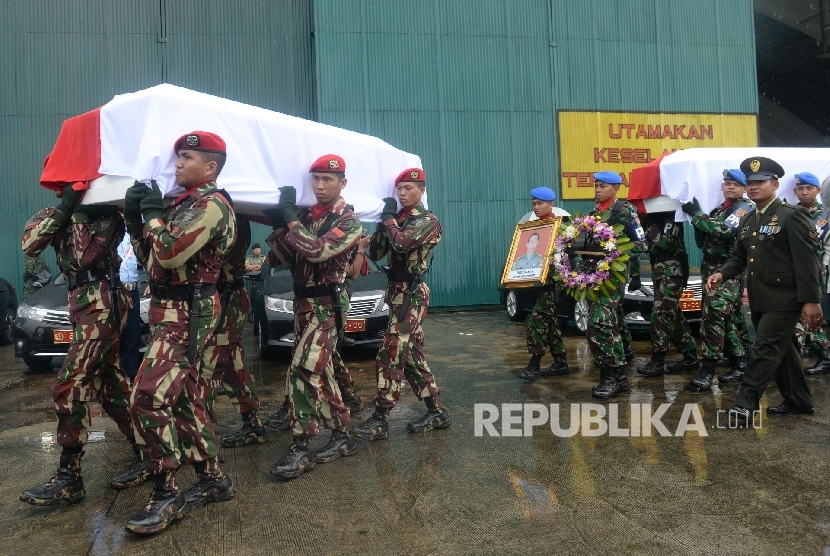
[[473, 86], [59, 58]]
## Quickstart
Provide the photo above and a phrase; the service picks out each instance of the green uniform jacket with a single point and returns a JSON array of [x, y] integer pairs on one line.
[[779, 254]]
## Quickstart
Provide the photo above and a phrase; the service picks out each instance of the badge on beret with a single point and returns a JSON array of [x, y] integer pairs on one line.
[[726, 175], [755, 165], [414, 174], [192, 140], [333, 164]]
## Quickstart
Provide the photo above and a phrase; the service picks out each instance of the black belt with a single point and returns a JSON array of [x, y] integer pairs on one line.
[[230, 285], [400, 276], [320, 290], [84, 278], [180, 293]]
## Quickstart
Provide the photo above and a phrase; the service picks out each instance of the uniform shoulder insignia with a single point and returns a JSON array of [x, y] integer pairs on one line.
[[338, 232], [813, 234]]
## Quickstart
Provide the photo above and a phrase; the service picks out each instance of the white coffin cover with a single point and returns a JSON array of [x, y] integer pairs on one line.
[[266, 150], [699, 172]]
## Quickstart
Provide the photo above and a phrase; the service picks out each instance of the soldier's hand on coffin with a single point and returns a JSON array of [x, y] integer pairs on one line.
[[390, 209], [132, 202], [152, 205], [635, 284], [275, 216], [288, 203], [69, 199], [691, 208]]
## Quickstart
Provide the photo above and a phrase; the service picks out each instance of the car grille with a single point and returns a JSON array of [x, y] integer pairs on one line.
[[57, 318], [363, 306], [697, 290], [368, 335]]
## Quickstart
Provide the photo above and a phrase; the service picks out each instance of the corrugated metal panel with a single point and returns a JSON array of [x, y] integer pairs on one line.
[[59, 58], [473, 86]]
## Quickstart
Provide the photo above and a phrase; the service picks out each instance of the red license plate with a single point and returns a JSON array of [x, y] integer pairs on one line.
[[62, 336], [355, 325], [690, 305]]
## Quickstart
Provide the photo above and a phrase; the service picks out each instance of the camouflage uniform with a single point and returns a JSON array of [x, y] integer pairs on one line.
[[543, 325], [31, 268], [669, 271], [85, 242], [317, 261], [186, 246], [223, 361], [721, 314], [606, 325], [406, 243], [816, 339]]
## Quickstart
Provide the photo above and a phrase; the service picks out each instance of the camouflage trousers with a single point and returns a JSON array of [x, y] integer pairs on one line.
[[814, 339], [605, 330], [223, 361], [668, 324], [402, 354], [168, 410], [719, 325], [313, 394], [91, 371], [543, 326]]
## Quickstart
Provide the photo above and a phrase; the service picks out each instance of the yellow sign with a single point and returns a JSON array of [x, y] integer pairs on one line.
[[621, 141]]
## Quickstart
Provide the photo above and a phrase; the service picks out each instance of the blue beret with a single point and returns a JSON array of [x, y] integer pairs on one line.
[[543, 194], [608, 177], [806, 178], [735, 175]]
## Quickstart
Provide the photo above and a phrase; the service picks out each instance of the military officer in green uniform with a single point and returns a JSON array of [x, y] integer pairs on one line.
[[807, 188], [531, 259], [776, 248]]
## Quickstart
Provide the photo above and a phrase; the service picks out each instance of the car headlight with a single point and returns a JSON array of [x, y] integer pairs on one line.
[[279, 304], [31, 313], [385, 308]]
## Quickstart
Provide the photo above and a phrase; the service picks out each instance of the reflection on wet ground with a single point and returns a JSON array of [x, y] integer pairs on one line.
[[756, 491]]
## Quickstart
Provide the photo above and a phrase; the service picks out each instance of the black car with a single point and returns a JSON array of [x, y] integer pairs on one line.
[[637, 305], [42, 329], [274, 310], [8, 304]]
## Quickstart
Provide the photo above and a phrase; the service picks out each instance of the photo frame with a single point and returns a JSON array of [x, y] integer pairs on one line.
[[530, 251]]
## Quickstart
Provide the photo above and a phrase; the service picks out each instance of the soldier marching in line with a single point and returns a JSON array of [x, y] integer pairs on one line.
[[85, 239], [183, 248], [807, 188], [607, 333], [669, 271], [223, 361], [543, 326], [316, 245], [721, 307], [406, 238]]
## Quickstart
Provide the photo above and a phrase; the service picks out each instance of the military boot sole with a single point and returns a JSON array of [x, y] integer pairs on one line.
[[250, 438], [123, 484], [141, 530], [555, 372], [371, 435], [431, 426], [727, 379], [694, 388], [304, 465], [69, 498], [623, 388], [604, 395], [530, 377], [343, 451]]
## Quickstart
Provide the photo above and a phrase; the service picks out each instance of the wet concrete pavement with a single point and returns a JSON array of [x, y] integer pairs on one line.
[[756, 491]]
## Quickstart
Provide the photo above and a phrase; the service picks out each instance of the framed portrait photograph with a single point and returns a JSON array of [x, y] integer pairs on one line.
[[530, 250]]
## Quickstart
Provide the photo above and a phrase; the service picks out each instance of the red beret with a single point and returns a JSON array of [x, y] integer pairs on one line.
[[411, 174], [329, 164], [204, 141]]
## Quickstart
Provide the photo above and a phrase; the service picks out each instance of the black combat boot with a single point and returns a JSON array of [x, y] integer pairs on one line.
[[655, 366], [703, 381], [166, 505], [67, 484], [628, 352], [559, 367], [352, 400], [375, 427], [607, 386], [723, 362], [532, 371], [822, 366], [342, 443], [737, 372], [251, 432], [297, 460], [436, 417], [688, 363], [135, 475], [212, 486], [280, 420], [622, 380]]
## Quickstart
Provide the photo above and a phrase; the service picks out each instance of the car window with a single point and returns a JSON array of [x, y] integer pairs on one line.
[[59, 280]]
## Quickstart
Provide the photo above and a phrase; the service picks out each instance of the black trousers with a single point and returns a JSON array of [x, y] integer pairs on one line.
[[131, 338], [775, 354]]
